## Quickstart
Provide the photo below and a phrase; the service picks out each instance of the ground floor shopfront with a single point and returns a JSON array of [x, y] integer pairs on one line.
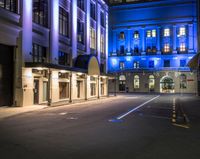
[[42, 85], [158, 82]]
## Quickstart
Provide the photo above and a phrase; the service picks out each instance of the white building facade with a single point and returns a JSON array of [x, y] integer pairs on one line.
[[55, 51]]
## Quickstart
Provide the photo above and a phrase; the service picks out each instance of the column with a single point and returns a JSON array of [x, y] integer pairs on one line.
[[74, 29], [27, 30], [114, 40], [174, 39], [54, 31], [98, 37], [190, 38], [70, 87], [106, 41], [158, 40], [128, 40], [87, 26], [98, 83], [86, 82], [143, 37]]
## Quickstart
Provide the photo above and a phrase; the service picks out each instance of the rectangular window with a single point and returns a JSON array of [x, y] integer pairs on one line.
[[166, 63], [148, 33], [40, 12], [182, 63], [182, 31], [121, 66], [63, 58], [80, 4], [122, 50], [136, 64], [92, 11], [92, 89], [80, 32], [166, 48], [63, 22], [182, 47], [63, 90], [166, 32], [45, 90], [151, 64], [154, 33], [102, 44], [10, 5], [39, 53], [92, 38], [121, 36], [102, 19], [136, 35]]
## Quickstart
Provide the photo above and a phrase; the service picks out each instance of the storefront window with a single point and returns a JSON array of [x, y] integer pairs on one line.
[[151, 83], [183, 81], [63, 90]]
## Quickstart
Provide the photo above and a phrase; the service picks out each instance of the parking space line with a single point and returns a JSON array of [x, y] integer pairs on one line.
[[134, 109]]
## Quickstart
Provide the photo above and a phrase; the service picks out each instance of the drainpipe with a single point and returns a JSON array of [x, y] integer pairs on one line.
[[85, 86], [98, 87], [49, 87], [70, 85], [115, 91]]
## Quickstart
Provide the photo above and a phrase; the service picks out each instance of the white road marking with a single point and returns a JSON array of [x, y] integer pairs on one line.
[[134, 109]]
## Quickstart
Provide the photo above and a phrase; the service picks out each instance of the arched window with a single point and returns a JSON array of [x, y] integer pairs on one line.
[[151, 83], [183, 81], [136, 82], [122, 83]]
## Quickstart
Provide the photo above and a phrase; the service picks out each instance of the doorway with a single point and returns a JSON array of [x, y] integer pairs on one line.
[[167, 85], [36, 91]]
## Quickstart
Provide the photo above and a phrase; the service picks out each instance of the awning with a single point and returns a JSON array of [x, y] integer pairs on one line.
[[89, 63], [53, 66], [194, 62]]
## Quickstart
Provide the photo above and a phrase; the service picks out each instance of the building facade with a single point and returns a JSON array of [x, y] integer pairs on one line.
[[52, 51], [150, 44]]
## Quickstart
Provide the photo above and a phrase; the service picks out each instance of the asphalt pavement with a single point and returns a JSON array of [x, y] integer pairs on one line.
[[131, 126]]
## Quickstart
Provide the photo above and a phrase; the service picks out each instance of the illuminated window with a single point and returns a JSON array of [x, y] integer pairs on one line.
[[92, 38], [183, 81], [136, 82], [148, 33], [121, 65], [136, 35], [182, 31], [166, 48], [154, 33], [136, 64], [166, 32], [10, 5], [182, 47], [151, 82], [122, 36]]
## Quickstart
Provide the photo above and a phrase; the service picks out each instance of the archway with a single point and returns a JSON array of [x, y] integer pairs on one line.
[[166, 85]]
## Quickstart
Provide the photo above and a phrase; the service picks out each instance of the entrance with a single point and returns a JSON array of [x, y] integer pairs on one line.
[[167, 85], [36, 91], [6, 75], [78, 89], [122, 83]]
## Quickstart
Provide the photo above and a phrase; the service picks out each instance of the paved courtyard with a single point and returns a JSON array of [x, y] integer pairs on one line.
[[132, 126]]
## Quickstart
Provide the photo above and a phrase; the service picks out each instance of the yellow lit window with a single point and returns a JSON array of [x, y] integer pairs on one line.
[[166, 48], [166, 32], [154, 33], [182, 31], [182, 47]]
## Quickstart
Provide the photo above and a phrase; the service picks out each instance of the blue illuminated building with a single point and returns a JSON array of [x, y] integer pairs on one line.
[[150, 44]]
